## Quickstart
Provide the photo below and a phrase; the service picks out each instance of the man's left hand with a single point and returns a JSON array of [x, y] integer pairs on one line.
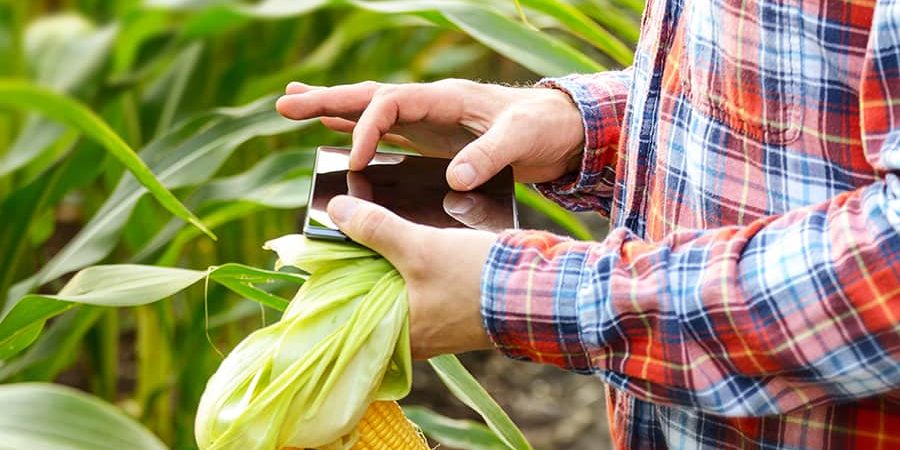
[[442, 269]]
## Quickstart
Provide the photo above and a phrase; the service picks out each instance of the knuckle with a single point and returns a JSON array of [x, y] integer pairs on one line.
[[369, 84], [416, 258], [453, 83], [485, 152], [520, 114], [370, 224], [387, 90]]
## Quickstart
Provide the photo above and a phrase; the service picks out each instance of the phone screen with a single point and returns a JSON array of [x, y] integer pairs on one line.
[[413, 187]]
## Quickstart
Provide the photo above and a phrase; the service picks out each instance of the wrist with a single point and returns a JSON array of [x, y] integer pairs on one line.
[[445, 296], [571, 129]]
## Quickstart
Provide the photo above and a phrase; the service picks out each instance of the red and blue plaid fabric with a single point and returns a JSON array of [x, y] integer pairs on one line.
[[748, 295]]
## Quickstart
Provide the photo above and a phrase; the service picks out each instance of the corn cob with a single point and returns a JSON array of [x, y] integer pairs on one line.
[[385, 427]]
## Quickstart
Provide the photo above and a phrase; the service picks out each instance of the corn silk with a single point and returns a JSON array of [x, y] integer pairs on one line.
[[305, 381]]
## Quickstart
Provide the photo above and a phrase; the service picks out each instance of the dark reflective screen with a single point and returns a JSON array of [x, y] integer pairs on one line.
[[413, 187]]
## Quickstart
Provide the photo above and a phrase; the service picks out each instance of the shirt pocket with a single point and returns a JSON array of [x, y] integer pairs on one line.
[[742, 64]]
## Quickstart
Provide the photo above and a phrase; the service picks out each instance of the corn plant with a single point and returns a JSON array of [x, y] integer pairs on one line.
[[142, 165]]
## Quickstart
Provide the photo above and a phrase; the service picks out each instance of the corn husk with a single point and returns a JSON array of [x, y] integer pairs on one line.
[[306, 380]]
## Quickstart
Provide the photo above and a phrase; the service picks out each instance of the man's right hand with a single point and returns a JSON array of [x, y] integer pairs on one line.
[[483, 127]]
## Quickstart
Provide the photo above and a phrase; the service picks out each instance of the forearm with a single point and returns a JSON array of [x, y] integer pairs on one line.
[[787, 312]]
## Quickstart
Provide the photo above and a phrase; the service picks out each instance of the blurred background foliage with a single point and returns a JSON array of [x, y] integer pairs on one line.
[[190, 86]]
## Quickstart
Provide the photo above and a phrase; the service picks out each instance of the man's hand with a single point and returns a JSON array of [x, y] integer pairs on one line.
[[483, 127], [442, 269]]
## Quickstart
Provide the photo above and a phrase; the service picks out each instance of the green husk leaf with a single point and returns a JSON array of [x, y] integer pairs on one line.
[[306, 380]]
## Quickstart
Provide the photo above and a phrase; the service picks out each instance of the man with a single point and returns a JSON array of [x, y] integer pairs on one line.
[[748, 295]]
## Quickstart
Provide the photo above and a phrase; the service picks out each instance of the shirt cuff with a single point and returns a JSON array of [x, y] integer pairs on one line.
[[528, 299], [601, 99]]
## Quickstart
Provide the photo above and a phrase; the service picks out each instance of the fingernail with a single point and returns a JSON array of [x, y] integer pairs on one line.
[[294, 84], [460, 205], [464, 173], [343, 208]]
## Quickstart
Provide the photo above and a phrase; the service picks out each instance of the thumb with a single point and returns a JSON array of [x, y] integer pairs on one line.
[[371, 225], [484, 157]]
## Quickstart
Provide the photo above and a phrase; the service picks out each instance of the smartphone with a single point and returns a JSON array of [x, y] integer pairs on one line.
[[413, 187]]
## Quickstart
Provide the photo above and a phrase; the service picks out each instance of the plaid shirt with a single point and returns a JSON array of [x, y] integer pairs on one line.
[[748, 295]]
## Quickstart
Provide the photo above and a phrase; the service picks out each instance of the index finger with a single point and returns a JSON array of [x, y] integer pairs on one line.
[[346, 101]]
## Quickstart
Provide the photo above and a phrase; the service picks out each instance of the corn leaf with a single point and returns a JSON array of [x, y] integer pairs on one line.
[[454, 433], [536, 51], [55, 349], [280, 180], [63, 52], [50, 416], [552, 211], [64, 109], [466, 388], [188, 155], [541, 53], [23, 207], [581, 25], [126, 285], [168, 90]]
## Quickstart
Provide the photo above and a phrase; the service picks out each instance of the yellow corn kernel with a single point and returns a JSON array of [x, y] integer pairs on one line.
[[385, 427]]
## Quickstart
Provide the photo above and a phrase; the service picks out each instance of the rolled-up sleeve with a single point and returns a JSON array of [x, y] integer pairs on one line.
[[601, 99]]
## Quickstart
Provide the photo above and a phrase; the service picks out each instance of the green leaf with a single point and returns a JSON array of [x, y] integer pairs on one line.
[[168, 90], [188, 155], [354, 27], [581, 25], [554, 212], [127, 285], [64, 53], [614, 19], [55, 349], [454, 433], [466, 388], [64, 109], [277, 181], [539, 52], [49, 416], [120, 285]]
